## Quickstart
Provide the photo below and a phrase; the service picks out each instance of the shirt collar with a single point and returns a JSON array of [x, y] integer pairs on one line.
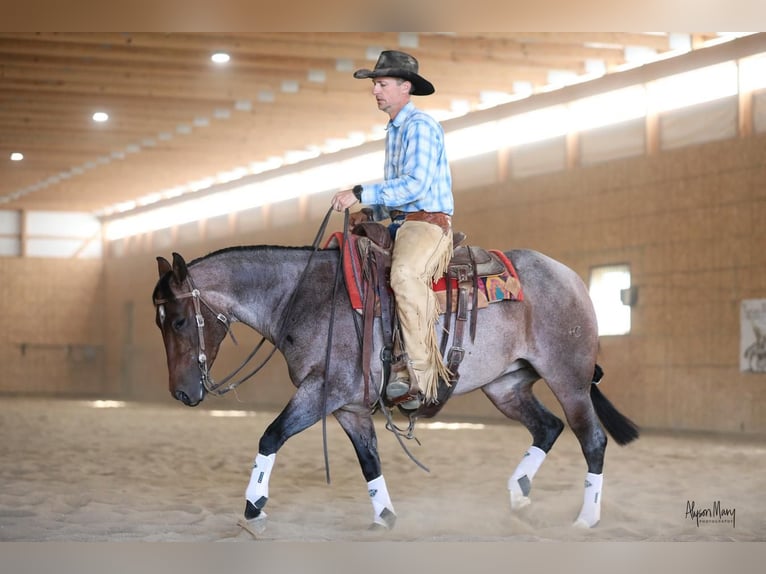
[[401, 116]]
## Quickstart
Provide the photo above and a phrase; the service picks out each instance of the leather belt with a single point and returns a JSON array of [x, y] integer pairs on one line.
[[434, 217]]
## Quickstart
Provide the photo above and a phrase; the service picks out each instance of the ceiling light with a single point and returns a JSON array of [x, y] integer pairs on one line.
[[290, 87], [344, 65], [317, 76], [17, 156], [220, 57], [100, 117], [408, 39], [266, 96]]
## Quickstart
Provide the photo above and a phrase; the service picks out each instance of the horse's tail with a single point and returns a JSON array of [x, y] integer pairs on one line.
[[621, 428]]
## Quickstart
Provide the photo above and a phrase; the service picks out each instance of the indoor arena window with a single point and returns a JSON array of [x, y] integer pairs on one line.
[[612, 297]]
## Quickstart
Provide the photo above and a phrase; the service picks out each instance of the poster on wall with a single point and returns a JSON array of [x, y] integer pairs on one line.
[[752, 357]]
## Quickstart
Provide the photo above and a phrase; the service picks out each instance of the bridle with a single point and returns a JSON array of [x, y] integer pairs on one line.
[[207, 381], [222, 387]]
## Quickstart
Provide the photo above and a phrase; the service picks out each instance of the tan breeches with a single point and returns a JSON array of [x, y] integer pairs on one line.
[[421, 254]]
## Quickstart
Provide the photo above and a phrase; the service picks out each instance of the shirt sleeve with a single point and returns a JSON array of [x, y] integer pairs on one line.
[[415, 169]]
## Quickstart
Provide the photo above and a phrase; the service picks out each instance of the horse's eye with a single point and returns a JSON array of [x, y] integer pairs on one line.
[[179, 323]]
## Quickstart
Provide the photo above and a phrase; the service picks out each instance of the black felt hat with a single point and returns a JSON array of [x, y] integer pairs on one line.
[[395, 64]]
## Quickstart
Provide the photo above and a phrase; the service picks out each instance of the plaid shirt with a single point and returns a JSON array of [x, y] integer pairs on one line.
[[417, 175]]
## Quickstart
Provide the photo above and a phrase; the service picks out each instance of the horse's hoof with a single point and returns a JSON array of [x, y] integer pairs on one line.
[[255, 526], [519, 501], [582, 523], [384, 521]]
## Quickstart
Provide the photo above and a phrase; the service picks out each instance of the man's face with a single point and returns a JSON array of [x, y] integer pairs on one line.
[[391, 94]]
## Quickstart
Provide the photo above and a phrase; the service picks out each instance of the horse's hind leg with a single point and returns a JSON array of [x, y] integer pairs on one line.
[[360, 429], [582, 418], [513, 397]]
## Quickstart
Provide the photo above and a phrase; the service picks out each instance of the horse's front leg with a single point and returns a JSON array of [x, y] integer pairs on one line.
[[360, 429], [303, 410]]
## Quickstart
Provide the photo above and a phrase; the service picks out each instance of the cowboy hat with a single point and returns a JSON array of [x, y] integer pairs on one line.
[[395, 64]]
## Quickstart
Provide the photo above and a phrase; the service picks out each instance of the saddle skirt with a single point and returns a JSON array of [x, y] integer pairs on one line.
[[496, 279]]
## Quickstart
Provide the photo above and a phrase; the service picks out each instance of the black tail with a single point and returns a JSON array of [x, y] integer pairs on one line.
[[621, 428]]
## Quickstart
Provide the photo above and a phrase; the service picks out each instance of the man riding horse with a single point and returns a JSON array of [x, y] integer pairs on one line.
[[416, 195]]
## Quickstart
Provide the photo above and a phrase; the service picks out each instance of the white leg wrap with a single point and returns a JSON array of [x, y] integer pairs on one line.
[[383, 509], [259, 478], [591, 506], [520, 482]]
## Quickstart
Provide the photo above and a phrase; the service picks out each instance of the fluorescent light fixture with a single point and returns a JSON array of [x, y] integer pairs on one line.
[[273, 162], [409, 39], [559, 78], [290, 87], [344, 65], [639, 54], [100, 117], [372, 53], [460, 107], [490, 99], [522, 88], [231, 175], [220, 57], [266, 96], [317, 76], [17, 156], [149, 199], [201, 184], [595, 67]]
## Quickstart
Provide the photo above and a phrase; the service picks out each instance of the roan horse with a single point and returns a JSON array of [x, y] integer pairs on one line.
[[551, 334]]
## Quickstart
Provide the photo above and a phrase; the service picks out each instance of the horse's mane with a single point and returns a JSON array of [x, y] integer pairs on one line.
[[162, 288], [252, 248]]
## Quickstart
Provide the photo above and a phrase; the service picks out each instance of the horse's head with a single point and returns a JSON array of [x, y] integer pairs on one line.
[[190, 331]]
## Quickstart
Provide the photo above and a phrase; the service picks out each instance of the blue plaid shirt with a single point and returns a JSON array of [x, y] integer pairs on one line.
[[417, 175]]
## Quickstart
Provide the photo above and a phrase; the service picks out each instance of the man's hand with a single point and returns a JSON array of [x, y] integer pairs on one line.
[[343, 200]]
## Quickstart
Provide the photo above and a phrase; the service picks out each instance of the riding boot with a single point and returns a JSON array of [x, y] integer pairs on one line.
[[400, 390]]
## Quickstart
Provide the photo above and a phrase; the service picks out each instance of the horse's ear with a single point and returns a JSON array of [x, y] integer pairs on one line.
[[163, 266], [179, 268]]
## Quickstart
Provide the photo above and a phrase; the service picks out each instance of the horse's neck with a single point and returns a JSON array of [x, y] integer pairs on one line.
[[253, 287]]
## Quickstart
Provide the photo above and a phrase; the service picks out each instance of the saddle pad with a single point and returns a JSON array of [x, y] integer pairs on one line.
[[503, 287]]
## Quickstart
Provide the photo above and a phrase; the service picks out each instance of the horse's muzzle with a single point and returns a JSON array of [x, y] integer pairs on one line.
[[185, 399]]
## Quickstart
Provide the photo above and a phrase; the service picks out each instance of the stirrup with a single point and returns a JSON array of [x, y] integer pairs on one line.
[[400, 389]]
